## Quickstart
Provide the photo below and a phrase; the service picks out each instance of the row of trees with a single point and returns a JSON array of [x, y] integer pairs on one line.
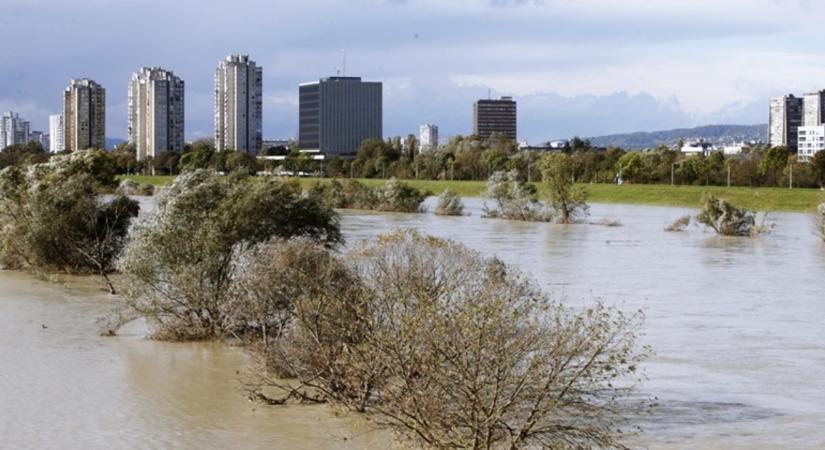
[[473, 158]]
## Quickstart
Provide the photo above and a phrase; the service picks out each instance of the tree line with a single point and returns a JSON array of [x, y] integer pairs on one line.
[[474, 158]]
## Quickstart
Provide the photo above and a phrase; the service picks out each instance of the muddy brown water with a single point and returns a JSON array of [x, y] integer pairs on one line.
[[737, 326]]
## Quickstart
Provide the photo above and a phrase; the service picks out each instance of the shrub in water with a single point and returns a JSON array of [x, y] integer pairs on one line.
[[514, 199], [449, 204]]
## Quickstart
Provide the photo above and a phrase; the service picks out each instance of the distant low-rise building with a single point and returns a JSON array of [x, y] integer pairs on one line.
[[428, 138], [698, 147], [41, 138], [811, 141]]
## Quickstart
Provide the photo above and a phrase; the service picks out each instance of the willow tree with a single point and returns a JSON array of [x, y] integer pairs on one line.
[[447, 347], [569, 201], [180, 261]]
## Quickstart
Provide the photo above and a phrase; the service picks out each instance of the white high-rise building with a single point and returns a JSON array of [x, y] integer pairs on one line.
[[155, 112], [56, 133], [813, 109], [784, 120], [238, 105], [13, 130], [84, 115], [428, 138]]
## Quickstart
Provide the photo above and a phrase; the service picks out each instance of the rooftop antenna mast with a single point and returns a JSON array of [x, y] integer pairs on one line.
[[345, 62]]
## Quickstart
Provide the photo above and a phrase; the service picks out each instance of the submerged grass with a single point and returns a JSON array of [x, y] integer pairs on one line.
[[761, 199]]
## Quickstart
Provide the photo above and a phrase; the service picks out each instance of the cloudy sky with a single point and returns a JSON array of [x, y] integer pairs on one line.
[[576, 67]]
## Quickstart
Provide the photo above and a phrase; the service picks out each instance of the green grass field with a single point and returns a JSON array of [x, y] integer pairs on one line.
[[762, 199]]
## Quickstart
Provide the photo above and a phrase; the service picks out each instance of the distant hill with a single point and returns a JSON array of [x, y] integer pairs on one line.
[[112, 142], [713, 133]]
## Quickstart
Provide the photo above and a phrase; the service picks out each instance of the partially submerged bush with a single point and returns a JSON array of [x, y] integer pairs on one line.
[[728, 220], [393, 196], [52, 217], [679, 224], [443, 345], [133, 188], [610, 222], [569, 201], [514, 199], [449, 204], [820, 221], [397, 196], [180, 262]]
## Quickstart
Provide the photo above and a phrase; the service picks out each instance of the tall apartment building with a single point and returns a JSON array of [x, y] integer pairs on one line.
[[813, 109], [238, 105], [428, 138], [13, 130], [84, 115], [56, 133], [155, 112], [785, 119], [495, 116], [337, 114]]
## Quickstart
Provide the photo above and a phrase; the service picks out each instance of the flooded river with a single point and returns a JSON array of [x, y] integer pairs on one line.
[[737, 326]]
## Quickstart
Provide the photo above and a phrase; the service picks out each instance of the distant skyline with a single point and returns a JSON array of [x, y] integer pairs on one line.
[[576, 67]]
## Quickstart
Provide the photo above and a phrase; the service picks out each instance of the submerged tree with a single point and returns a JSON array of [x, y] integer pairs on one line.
[[443, 345], [53, 218], [180, 261], [820, 221], [728, 220], [393, 196], [449, 204], [515, 199], [569, 201]]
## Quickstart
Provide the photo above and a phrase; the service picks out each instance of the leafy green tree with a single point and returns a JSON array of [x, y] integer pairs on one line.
[[569, 201], [818, 165], [53, 218], [631, 166], [181, 262], [772, 164]]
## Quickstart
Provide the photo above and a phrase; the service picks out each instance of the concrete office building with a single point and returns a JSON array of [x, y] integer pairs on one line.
[[428, 138], [155, 112], [495, 116], [811, 141], [56, 133], [337, 114], [813, 109], [238, 105], [84, 115], [13, 130], [784, 121]]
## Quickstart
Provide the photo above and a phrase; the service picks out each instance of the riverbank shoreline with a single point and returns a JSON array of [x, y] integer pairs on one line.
[[759, 199]]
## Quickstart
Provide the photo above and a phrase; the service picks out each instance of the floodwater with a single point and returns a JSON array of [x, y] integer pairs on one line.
[[737, 326]]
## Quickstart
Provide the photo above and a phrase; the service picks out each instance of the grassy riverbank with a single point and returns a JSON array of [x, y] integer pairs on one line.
[[762, 199]]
